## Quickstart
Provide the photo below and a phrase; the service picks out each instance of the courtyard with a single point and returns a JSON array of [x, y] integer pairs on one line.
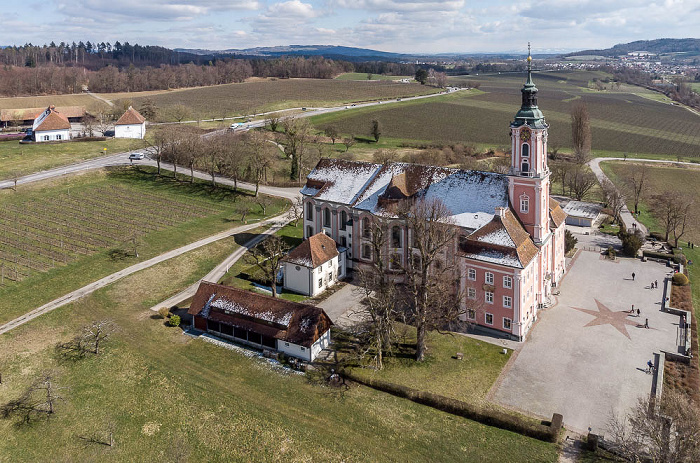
[[586, 355]]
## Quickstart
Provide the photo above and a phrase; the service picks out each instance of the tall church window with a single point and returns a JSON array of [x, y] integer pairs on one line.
[[525, 167], [366, 230], [525, 204], [396, 237], [525, 150], [309, 211], [343, 220], [327, 218]]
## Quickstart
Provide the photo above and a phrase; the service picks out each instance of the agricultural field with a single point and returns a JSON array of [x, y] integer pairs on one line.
[[168, 397], [269, 95], [70, 232], [363, 76], [16, 159], [78, 99], [628, 120]]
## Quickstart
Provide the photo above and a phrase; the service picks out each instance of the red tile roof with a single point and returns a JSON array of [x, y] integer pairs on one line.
[[52, 121], [315, 251], [300, 324], [25, 114], [131, 117], [556, 213]]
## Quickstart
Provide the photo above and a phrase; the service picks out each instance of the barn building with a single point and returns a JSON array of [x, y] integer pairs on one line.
[[510, 248], [259, 321]]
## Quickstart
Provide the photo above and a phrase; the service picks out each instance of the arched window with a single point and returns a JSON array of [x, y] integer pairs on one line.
[[524, 204], [366, 228], [343, 220], [396, 237], [327, 218], [309, 211], [525, 151], [525, 167]]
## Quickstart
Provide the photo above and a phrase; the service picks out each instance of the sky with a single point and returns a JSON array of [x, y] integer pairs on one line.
[[402, 26]]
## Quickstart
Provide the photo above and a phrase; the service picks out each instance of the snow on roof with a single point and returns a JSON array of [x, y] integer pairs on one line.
[[234, 307], [496, 257], [343, 180], [499, 237], [583, 209]]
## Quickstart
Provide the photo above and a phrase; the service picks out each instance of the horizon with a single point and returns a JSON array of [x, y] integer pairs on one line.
[[419, 27]]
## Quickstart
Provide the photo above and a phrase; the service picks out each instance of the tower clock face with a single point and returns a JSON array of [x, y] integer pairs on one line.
[[525, 134]]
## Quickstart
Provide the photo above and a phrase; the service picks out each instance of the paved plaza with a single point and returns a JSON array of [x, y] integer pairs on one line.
[[585, 357]]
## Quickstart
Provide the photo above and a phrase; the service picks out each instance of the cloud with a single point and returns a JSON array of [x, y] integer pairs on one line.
[[399, 5]]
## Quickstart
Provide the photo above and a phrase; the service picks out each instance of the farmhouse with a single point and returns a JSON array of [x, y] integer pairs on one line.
[[263, 322], [130, 125], [582, 214], [26, 116], [51, 125], [314, 265], [510, 250]]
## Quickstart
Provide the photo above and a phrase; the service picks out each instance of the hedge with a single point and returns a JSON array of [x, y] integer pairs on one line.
[[488, 416], [662, 255]]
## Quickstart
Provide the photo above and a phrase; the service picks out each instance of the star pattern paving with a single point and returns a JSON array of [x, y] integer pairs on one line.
[[605, 316]]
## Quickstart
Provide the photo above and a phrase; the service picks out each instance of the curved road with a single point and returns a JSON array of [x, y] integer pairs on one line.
[[627, 216]]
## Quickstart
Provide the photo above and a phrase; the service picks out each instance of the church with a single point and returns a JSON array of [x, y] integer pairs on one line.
[[510, 248]]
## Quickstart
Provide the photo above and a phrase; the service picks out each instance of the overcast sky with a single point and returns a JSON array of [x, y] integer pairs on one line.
[[418, 26]]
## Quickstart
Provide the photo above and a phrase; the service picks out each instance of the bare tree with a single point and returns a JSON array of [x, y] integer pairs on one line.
[[560, 172], [260, 157], [297, 133], [103, 121], [232, 157], [580, 181], [635, 181], [349, 142], [159, 145], [213, 150], [296, 211], [180, 112], [581, 131], [429, 272], [39, 399], [384, 156], [95, 334], [667, 434], [263, 201], [332, 133], [267, 256], [671, 208], [612, 198], [190, 148], [273, 121]]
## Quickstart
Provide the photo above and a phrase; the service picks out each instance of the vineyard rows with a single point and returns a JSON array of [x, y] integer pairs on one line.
[[38, 235]]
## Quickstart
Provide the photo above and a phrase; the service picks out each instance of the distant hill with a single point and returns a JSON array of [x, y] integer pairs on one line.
[[327, 51], [658, 46]]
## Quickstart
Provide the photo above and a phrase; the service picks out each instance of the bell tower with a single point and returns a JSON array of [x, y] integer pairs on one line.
[[529, 173]]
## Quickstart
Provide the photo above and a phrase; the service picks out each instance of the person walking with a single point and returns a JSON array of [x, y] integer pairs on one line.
[[639, 312], [656, 284], [646, 323], [633, 275]]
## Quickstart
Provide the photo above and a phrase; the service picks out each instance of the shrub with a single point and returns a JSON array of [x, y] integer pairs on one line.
[[164, 312], [569, 241], [174, 320], [679, 279]]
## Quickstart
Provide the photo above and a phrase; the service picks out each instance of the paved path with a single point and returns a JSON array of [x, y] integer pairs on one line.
[[101, 283], [220, 270], [583, 361]]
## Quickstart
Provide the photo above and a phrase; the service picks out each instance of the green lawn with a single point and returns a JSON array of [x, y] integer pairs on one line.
[[168, 397], [196, 211], [468, 380], [293, 237], [25, 159]]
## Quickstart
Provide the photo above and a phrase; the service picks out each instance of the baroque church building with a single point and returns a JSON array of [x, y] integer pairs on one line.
[[510, 251]]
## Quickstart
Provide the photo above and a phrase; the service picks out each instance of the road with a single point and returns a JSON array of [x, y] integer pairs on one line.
[[627, 216]]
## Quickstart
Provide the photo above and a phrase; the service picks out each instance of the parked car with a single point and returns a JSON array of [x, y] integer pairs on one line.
[[136, 156]]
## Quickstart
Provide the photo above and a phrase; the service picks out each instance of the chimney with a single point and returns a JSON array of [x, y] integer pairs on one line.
[[500, 212]]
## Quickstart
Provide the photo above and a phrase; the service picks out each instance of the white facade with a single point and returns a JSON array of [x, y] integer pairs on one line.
[[305, 353], [130, 131], [308, 281], [51, 135]]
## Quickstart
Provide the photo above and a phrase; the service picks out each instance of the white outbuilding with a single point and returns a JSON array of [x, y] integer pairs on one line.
[[130, 125], [582, 214], [313, 266], [51, 126]]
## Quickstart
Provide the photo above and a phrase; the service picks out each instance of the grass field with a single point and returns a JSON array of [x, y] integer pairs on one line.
[[79, 99], [363, 76], [293, 237], [468, 380], [168, 397], [60, 236], [25, 159], [258, 96], [623, 121]]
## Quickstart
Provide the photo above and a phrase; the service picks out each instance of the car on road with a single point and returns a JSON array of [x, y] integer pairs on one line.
[[136, 156]]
